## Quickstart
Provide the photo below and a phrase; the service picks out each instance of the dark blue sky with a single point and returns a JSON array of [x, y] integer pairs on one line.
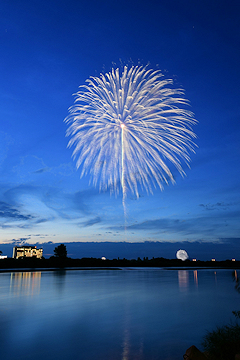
[[48, 49]]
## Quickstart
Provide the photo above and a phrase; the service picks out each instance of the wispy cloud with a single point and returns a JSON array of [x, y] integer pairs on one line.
[[19, 241], [206, 225], [90, 222], [9, 212], [218, 206], [40, 171]]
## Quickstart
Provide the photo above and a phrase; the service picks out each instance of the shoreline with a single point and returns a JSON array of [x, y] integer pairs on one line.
[[55, 269], [96, 268]]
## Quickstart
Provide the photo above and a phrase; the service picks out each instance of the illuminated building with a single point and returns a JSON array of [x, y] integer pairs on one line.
[[20, 252]]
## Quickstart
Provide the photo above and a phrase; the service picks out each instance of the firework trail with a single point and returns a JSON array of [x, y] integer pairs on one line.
[[128, 127]]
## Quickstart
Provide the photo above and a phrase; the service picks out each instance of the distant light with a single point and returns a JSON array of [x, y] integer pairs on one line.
[[233, 259], [182, 255], [194, 259], [103, 258], [3, 256], [213, 260]]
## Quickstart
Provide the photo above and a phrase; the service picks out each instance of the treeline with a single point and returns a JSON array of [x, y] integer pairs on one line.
[[65, 262]]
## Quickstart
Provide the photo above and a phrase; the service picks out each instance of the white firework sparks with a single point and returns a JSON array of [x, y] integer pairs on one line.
[[127, 128], [182, 255]]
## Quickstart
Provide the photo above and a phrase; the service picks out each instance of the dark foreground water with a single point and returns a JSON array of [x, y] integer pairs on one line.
[[129, 314]]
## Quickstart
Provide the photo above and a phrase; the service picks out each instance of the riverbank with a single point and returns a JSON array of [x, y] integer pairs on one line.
[[52, 263]]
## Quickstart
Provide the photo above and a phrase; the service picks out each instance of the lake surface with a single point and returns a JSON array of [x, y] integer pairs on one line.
[[128, 314]]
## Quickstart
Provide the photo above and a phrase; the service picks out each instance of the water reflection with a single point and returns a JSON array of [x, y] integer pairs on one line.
[[183, 279], [236, 279], [215, 276], [126, 342], [126, 331], [195, 274], [132, 343], [60, 278], [25, 283], [104, 315]]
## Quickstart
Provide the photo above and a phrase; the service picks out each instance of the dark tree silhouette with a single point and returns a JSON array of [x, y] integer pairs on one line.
[[60, 251]]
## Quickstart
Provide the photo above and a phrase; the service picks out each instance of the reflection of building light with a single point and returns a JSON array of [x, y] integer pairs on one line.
[[213, 260], [215, 275], [233, 259], [195, 274], [194, 259], [25, 282], [236, 276]]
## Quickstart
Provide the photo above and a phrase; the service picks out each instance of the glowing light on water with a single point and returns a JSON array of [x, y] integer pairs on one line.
[[128, 127], [195, 274]]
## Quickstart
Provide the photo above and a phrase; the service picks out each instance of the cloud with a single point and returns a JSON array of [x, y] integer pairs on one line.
[[40, 171], [30, 164], [8, 211], [90, 222], [217, 224], [27, 205], [41, 235], [162, 226], [218, 206], [230, 241], [43, 220], [19, 241]]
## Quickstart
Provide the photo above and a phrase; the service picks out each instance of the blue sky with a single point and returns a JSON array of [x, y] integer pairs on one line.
[[48, 49]]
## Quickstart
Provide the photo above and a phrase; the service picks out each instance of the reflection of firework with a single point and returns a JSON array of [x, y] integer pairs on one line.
[[126, 128]]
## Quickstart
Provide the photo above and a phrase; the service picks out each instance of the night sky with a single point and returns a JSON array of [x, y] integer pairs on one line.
[[49, 49]]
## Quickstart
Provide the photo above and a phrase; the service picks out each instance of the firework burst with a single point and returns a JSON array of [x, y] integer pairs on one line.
[[127, 129]]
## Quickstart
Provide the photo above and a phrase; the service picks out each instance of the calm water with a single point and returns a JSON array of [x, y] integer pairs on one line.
[[135, 314]]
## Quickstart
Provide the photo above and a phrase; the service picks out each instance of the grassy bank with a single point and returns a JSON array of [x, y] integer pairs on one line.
[[55, 262]]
